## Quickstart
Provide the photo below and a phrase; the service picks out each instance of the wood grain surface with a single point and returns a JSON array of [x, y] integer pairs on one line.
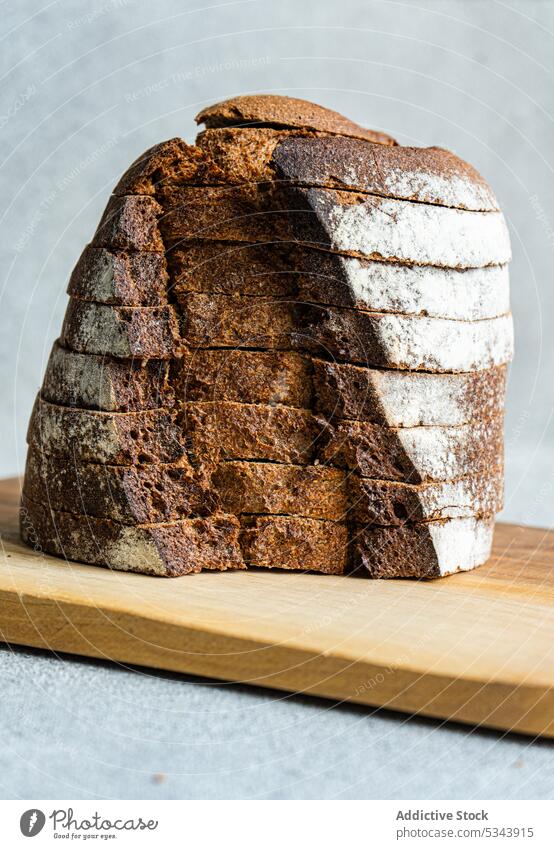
[[476, 647]]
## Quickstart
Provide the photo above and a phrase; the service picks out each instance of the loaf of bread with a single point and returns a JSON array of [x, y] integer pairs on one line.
[[285, 347]]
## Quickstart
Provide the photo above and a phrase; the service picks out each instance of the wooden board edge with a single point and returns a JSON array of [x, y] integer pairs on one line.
[[130, 639]]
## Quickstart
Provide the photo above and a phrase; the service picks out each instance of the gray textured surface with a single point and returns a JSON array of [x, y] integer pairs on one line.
[[74, 729], [87, 87]]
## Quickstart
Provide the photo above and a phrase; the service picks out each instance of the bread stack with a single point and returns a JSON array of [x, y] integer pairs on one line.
[[285, 347]]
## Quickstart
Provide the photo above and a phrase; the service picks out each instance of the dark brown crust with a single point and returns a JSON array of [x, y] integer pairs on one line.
[[236, 321], [352, 392], [123, 278], [150, 436], [393, 503], [291, 542], [127, 494], [281, 111], [233, 268], [312, 491], [220, 430], [168, 550], [130, 223], [428, 175], [146, 332], [376, 451], [247, 377], [103, 383], [173, 161]]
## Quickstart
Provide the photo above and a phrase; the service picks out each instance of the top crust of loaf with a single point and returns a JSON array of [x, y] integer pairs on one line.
[[425, 174], [285, 112], [172, 161]]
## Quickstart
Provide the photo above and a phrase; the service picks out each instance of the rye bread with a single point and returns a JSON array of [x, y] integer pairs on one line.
[[233, 268], [397, 230], [244, 154], [119, 277], [149, 436], [156, 492], [247, 377], [146, 332], [331, 279], [240, 321], [282, 112], [314, 492], [390, 503], [95, 382], [323, 277], [413, 454], [130, 223], [230, 213], [166, 549], [294, 543], [423, 174], [423, 550], [407, 399], [170, 162], [410, 342], [224, 430]]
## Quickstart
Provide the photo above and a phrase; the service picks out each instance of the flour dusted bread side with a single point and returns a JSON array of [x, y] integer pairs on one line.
[[167, 549], [285, 347]]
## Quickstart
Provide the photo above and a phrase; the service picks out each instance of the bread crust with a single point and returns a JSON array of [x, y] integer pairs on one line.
[[130, 223], [119, 277], [423, 174], [106, 330], [167, 549], [423, 550], [97, 382], [407, 399], [413, 454], [282, 111]]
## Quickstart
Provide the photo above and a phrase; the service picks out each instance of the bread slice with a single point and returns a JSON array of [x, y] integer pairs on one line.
[[236, 321], [247, 377], [322, 277], [130, 223], [466, 295], [413, 454], [415, 343], [423, 174], [165, 549], [231, 213], [155, 492], [278, 111], [314, 492], [147, 332], [407, 399], [397, 230], [170, 162], [96, 382], [233, 268], [119, 277], [425, 549], [149, 436], [294, 543], [207, 431], [244, 154], [222, 429], [378, 502]]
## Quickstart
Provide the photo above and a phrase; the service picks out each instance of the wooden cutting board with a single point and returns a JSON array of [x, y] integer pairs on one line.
[[476, 647]]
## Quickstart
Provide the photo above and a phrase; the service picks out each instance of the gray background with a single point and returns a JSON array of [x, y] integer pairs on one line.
[[86, 87]]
